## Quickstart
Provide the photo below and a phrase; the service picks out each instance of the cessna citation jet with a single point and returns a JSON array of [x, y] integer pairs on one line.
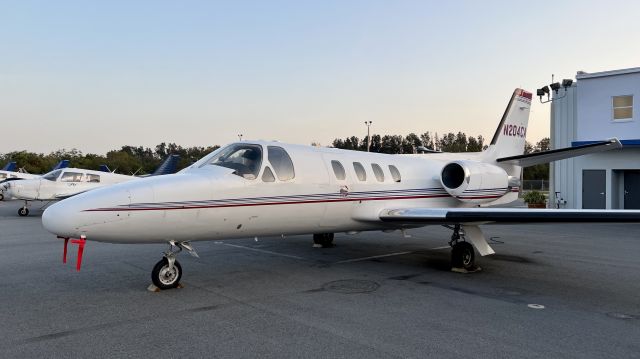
[[259, 188], [66, 182], [8, 173]]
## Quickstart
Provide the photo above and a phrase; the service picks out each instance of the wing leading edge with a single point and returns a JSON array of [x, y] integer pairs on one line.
[[506, 215]]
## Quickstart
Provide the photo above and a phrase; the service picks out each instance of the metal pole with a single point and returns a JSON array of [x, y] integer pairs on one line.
[[368, 123]]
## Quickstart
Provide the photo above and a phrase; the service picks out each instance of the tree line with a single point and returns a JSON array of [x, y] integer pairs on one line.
[[142, 160], [396, 144], [127, 160], [449, 142]]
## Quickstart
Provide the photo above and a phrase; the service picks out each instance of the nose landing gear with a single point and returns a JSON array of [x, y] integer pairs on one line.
[[323, 240], [167, 272]]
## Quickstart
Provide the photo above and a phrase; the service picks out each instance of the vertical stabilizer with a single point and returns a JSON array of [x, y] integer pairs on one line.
[[510, 136], [10, 167]]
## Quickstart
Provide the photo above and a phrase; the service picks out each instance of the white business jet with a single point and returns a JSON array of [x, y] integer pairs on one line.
[[9, 173], [66, 182], [259, 188]]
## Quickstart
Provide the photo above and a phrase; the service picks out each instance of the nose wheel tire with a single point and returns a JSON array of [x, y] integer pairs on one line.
[[164, 277], [463, 256], [23, 212], [323, 240]]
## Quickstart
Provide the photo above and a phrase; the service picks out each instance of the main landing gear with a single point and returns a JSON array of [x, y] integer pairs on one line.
[[462, 252], [323, 240], [167, 272]]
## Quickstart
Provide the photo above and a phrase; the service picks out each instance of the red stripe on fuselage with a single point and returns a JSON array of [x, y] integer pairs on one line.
[[263, 204]]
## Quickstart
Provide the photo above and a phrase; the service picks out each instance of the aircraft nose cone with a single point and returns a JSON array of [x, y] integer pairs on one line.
[[59, 220]]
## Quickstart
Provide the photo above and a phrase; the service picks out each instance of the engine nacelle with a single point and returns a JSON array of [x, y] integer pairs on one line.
[[474, 182]]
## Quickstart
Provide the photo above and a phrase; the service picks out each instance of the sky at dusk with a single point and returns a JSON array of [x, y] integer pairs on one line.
[[96, 75]]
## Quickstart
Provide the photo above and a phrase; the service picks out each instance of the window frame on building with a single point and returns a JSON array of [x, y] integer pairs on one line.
[[614, 108]]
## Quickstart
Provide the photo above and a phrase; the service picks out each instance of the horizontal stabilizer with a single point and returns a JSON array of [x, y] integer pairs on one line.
[[505, 215], [10, 167], [537, 158]]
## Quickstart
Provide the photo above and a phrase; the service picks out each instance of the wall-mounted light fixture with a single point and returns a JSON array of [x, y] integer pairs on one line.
[[555, 87]]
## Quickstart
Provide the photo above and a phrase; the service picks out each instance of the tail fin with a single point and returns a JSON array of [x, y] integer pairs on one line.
[[10, 167], [511, 133], [61, 164], [104, 168], [168, 166]]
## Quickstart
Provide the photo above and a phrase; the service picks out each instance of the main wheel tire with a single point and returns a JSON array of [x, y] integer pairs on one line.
[[463, 256], [164, 278], [23, 212], [1, 196], [323, 239]]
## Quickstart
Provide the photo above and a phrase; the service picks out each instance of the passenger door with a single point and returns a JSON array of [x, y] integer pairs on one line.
[[339, 207]]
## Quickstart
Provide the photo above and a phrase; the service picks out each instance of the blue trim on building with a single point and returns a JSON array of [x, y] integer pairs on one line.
[[625, 143]]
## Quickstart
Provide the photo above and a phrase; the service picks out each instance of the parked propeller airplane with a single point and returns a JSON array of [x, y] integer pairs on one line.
[[260, 188], [9, 173], [63, 183]]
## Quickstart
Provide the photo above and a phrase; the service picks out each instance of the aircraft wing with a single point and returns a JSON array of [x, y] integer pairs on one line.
[[505, 215], [537, 158], [63, 196]]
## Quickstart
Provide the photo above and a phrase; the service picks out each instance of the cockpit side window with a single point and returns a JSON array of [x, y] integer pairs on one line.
[[52, 176], [3, 176], [267, 175], [71, 177], [281, 162], [244, 159]]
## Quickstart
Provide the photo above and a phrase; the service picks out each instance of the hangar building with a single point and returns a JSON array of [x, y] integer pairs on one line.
[[598, 106]]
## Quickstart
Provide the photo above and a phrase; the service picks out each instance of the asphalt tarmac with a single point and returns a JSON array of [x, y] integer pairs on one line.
[[552, 291]]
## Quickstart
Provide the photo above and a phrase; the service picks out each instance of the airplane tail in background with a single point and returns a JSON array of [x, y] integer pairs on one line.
[[510, 136], [10, 167], [104, 168], [61, 164], [169, 166]]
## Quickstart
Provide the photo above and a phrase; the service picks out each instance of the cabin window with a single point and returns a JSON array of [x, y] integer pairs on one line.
[[244, 159], [395, 174], [93, 178], [71, 177], [338, 170], [267, 175], [377, 171], [281, 162], [360, 172], [52, 176], [622, 107], [3, 176]]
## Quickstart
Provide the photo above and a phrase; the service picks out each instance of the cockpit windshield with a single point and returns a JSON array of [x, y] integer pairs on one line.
[[244, 159], [52, 176]]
